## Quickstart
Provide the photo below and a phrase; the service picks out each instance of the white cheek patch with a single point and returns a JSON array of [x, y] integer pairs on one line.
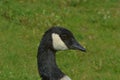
[[58, 44], [65, 78]]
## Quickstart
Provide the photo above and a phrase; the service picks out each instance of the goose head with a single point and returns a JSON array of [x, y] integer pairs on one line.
[[63, 39]]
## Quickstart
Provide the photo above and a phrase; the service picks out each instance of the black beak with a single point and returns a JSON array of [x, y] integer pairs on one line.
[[77, 46]]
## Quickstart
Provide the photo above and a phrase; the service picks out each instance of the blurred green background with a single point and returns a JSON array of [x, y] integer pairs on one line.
[[94, 23]]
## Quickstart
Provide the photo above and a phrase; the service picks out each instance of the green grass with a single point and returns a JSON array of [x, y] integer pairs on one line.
[[95, 24]]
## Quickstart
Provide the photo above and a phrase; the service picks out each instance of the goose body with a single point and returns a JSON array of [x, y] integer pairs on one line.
[[54, 39]]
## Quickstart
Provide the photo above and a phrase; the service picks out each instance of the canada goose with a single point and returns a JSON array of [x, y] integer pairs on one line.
[[54, 39]]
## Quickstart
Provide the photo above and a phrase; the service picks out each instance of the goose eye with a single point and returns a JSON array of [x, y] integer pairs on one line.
[[64, 36]]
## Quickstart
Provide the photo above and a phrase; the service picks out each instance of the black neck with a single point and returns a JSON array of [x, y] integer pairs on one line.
[[47, 66]]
